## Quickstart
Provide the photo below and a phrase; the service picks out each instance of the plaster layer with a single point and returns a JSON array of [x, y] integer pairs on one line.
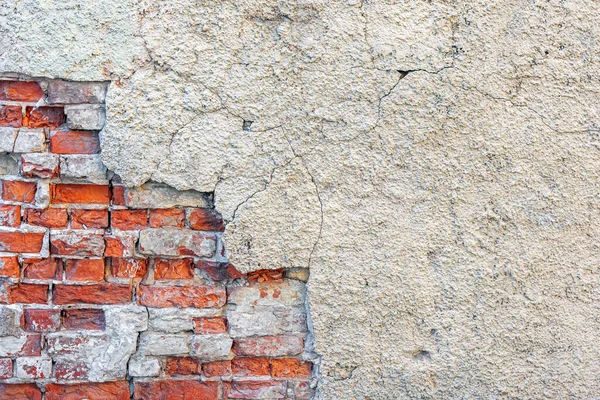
[[434, 163]]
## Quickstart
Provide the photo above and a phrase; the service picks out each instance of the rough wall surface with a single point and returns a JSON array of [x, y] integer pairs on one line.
[[434, 163]]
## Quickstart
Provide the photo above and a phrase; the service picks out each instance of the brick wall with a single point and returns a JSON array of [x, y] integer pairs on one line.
[[109, 292]]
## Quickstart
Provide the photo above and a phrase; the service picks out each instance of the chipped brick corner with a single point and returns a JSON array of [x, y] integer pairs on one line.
[[109, 292]]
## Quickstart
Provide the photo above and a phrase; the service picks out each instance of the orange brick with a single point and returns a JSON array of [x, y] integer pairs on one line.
[[104, 293], [291, 368], [89, 270], [86, 219], [217, 368], [129, 219], [9, 267], [173, 269], [28, 293], [49, 218], [11, 116], [18, 191], [250, 367], [79, 194], [174, 389], [119, 245], [129, 268], [20, 91], [183, 366], [20, 391], [73, 142], [10, 215], [42, 268], [44, 117], [118, 390], [167, 217], [118, 195], [266, 275], [206, 220], [21, 242], [210, 325], [181, 296]]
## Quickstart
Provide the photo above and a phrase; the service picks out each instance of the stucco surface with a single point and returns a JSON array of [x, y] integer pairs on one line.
[[435, 164]]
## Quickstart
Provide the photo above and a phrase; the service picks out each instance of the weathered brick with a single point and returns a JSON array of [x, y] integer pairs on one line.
[[74, 243], [266, 275], [42, 268], [266, 320], [86, 270], [44, 117], [75, 193], [49, 218], [290, 368], [160, 344], [71, 345], [211, 347], [251, 366], [9, 321], [290, 293], [21, 242], [64, 92], [9, 164], [175, 389], [6, 368], [20, 91], [21, 346], [218, 271], [10, 215], [302, 390], [120, 244], [40, 320], [21, 391], [181, 296], [268, 346], [93, 391], [66, 369], [217, 368], [158, 195], [167, 217], [173, 269], [28, 293], [118, 195], [205, 220], [30, 141], [129, 219], [74, 142], [175, 320], [9, 267], [183, 366], [83, 168], [177, 242], [210, 325], [33, 367], [255, 389], [20, 191], [11, 116], [84, 318], [39, 165], [129, 267], [85, 117], [141, 366], [7, 139], [88, 219], [104, 293]]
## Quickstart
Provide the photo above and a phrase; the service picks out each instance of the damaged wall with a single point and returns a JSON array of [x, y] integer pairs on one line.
[[433, 163]]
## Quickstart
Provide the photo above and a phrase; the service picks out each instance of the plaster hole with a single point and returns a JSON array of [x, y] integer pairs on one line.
[[246, 125]]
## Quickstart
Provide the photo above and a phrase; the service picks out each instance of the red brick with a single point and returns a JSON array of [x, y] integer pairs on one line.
[[10, 215], [79, 194], [84, 318], [181, 296], [129, 219], [49, 218], [28, 293], [20, 391], [11, 116], [6, 368], [129, 267], [44, 117], [167, 217], [67, 369], [77, 243], [217, 368], [118, 195], [35, 320], [183, 366], [219, 271], [105, 293], [290, 368], [75, 142], [255, 389], [206, 220], [266, 275], [20, 91], [21, 242], [210, 325], [19, 191], [119, 245], [250, 367], [86, 270], [175, 390], [9, 267], [87, 219], [268, 346], [42, 268], [173, 269], [92, 391]]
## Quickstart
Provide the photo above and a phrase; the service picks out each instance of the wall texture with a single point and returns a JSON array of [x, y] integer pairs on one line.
[[434, 164]]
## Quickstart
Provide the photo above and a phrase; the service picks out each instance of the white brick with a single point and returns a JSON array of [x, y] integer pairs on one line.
[[140, 366], [64, 92], [86, 117], [212, 347], [159, 344], [171, 241], [7, 139], [156, 195], [83, 168], [33, 367], [30, 141], [174, 320]]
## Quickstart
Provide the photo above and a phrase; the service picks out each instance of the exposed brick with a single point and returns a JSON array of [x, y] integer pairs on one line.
[[105, 293], [78, 244], [181, 296], [28, 293], [21, 242], [183, 366], [250, 367], [65, 369], [290, 368], [6, 368], [255, 389], [21, 391], [87, 117], [205, 220], [75, 142], [64, 92], [49, 218], [42, 268], [173, 269], [11, 116], [174, 389], [118, 195], [266, 275], [302, 390], [119, 245], [217, 368], [78, 194], [268, 346], [9, 267], [39, 165], [164, 217], [29, 345], [129, 267], [177, 242], [212, 325], [84, 318], [88, 219], [83, 168], [20, 191], [93, 391], [10, 215], [218, 271], [40, 320], [20, 91], [44, 117], [129, 219], [68, 343], [86, 270], [33, 367]]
